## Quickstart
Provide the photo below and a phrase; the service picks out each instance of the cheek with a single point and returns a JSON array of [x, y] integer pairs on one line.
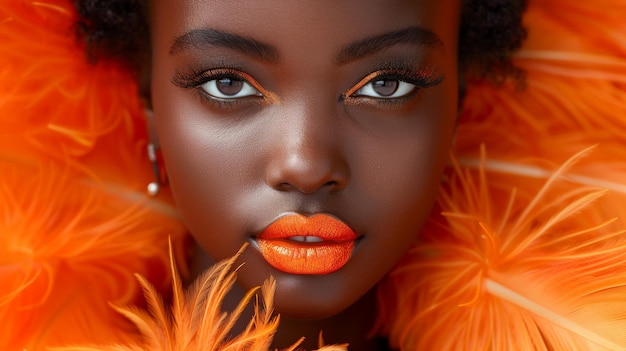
[[405, 172], [210, 169], [406, 158], [406, 184]]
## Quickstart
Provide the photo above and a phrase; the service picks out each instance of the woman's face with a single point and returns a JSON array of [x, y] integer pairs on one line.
[[342, 109]]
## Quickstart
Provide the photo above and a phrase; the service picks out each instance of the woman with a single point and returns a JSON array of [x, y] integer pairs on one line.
[[260, 117]]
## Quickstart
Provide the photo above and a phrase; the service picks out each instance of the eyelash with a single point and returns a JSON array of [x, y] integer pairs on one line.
[[421, 79], [195, 79]]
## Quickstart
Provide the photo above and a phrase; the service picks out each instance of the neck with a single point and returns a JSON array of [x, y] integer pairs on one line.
[[350, 326]]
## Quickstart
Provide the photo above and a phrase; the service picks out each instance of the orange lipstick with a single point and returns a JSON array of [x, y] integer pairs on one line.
[[297, 244]]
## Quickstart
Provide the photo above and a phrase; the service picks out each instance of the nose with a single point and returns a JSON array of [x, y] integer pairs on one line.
[[307, 155]]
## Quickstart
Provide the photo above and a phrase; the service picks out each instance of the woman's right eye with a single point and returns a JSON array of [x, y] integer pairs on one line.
[[229, 88], [385, 88]]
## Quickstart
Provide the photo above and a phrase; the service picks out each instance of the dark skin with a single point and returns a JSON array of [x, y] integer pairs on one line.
[[345, 108]]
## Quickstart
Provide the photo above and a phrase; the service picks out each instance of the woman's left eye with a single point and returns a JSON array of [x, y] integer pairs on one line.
[[385, 88], [229, 88]]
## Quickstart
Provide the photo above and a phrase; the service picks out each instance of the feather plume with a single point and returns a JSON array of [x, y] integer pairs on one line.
[[526, 249], [75, 222], [67, 249], [573, 97], [525, 276], [195, 321]]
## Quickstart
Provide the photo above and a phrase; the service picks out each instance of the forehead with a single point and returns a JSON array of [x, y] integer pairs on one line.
[[295, 25]]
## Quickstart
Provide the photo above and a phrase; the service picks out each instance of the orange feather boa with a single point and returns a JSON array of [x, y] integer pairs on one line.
[[75, 222], [526, 248], [530, 250]]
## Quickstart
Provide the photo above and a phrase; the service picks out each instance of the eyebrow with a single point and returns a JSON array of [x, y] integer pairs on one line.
[[411, 35], [199, 38]]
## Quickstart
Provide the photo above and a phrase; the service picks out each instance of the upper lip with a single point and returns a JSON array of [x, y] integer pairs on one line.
[[323, 226]]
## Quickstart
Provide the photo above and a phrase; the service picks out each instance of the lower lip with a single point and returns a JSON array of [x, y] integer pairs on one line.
[[312, 258], [295, 258]]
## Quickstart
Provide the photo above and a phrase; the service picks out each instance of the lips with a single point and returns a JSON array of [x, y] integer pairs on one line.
[[297, 244]]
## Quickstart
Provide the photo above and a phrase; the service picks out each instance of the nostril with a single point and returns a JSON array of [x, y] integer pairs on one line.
[[332, 184], [284, 187]]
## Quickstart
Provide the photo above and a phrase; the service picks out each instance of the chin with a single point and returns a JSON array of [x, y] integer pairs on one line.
[[296, 305], [306, 297]]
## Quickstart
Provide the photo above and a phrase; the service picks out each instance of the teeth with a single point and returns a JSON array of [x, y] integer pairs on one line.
[[306, 239]]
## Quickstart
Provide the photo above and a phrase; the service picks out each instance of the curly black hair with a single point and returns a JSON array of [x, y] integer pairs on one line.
[[490, 31], [113, 29]]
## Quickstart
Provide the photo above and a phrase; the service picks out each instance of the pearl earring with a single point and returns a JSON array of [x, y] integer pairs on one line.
[[155, 159]]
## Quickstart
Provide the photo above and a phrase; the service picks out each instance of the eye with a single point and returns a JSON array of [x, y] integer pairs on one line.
[[229, 88], [385, 88], [394, 84]]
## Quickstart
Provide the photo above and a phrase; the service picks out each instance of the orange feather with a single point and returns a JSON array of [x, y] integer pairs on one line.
[[521, 273], [195, 320], [527, 247], [75, 223]]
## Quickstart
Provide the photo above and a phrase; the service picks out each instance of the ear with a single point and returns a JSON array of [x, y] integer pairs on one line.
[[154, 155], [153, 137], [462, 89], [462, 94], [144, 79]]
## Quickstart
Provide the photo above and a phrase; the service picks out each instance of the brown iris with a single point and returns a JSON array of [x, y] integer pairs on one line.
[[229, 86], [385, 87]]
